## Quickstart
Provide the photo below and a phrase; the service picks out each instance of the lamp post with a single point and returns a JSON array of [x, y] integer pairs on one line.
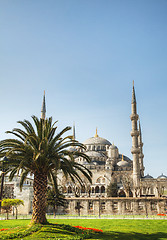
[[99, 207], [2, 179]]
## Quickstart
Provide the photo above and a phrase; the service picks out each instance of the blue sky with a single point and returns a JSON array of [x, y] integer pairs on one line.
[[85, 55]]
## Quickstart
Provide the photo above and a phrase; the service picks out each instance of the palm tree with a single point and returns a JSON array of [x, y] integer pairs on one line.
[[42, 152]]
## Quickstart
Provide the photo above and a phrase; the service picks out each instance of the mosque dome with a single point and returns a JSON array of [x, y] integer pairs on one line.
[[162, 176], [94, 154], [123, 163], [96, 140], [148, 176]]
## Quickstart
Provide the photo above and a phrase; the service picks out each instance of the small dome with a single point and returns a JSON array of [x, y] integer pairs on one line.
[[162, 176], [94, 154], [113, 147], [123, 163], [148, 176], [97, 141]]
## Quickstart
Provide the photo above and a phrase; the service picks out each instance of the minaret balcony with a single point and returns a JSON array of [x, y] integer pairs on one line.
[[134, 133], [134, 117], [135, 150]]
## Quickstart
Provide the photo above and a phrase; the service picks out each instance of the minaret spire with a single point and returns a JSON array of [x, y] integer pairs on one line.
[[73, 130], [141, 155], [43, 110], [135, 148]]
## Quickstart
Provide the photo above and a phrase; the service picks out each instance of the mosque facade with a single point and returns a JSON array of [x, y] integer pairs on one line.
[[118, 186]]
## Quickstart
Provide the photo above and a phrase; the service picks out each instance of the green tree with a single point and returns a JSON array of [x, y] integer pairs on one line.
[[16, 203], [112, 190], [7, 205], [42, 152], [78, 207], [55, 199]]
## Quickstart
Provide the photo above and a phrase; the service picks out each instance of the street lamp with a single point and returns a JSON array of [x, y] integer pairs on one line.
[[2, 179]]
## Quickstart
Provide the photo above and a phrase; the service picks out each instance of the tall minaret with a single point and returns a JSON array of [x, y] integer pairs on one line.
[[43, 110], [141, 155], [135, 148]]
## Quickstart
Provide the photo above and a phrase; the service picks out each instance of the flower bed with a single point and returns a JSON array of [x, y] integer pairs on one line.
[[77, 232], [92, 229], [161, 214]]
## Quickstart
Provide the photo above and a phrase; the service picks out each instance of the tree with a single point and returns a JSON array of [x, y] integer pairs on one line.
[[7, 205], [78, 207], [112, 189], [127, 185], [55, 199], [16, 203], [42, 152], [2, 178]]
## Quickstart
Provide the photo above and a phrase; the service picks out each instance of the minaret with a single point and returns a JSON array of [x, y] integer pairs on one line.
[[141, 155], [43, 110], [74, 131], [135, 149]]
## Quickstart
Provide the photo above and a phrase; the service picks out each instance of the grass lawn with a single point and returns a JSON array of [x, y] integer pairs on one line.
[[116, 229]]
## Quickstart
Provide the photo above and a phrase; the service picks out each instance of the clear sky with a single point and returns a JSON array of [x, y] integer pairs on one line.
[[85, 55]]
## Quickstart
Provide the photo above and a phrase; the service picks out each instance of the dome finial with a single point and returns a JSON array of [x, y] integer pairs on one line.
[[96, 135]]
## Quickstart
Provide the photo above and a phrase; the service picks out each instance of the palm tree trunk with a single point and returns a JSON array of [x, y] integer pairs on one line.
[[39, 201]]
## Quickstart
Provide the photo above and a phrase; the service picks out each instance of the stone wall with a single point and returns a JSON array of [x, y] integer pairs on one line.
[[122, 206]]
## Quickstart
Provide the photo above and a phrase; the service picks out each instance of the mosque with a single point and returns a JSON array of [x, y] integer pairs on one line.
[[118, 186]]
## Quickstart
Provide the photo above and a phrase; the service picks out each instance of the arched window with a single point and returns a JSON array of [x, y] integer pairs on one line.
[[64, 189], [69, 189], [103, 180], [102, 189], [97, 189], [100, 179], [122, 193], [77, 190], [83, 189]]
